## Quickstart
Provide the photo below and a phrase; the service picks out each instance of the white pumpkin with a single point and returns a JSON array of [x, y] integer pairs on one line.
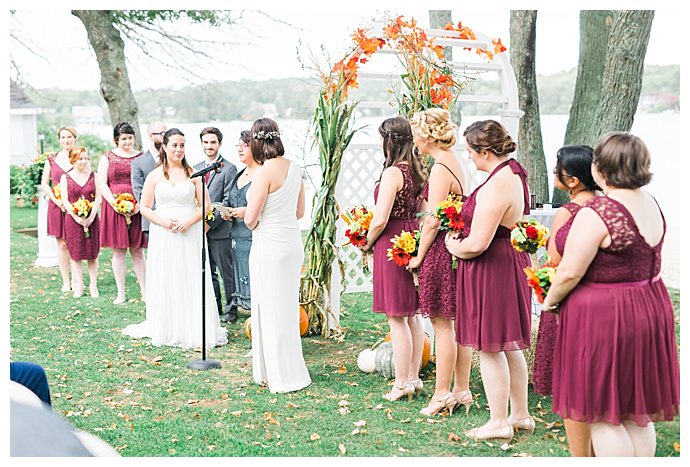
[[366, 361]]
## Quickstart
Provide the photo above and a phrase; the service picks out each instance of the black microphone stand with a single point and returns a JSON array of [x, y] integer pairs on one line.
[[204, 364]]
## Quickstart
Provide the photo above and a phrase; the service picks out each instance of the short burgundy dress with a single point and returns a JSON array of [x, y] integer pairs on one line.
[[615, 356], [82, 248], [56, 218], [493, 312], [394, 290], [437, 279], [542, 369], [114, 230]]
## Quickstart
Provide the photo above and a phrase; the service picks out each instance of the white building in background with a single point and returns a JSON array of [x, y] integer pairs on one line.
[[88, 118], [23, 138]]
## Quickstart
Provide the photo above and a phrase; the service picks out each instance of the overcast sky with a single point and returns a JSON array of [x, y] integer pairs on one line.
[[63, 59]]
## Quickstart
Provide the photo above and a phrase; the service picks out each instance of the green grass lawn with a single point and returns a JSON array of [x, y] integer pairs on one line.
[[144, 401]]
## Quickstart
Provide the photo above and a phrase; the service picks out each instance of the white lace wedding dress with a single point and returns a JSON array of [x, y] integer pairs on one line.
[[275, 262], [173, 277]]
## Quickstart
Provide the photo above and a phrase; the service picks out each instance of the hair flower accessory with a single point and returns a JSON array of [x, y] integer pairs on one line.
[[266, 134]]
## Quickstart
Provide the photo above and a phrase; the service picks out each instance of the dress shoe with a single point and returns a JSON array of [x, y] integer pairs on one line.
[[229, 318], [525, 424], [482, 433]]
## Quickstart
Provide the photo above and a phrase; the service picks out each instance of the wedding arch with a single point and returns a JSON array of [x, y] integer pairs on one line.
[[359, 164]]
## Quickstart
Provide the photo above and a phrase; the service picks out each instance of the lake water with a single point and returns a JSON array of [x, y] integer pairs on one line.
[[661, 133]]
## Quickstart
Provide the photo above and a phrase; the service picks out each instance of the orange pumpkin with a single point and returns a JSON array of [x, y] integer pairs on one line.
[[303, 321], [248, 328], [426, 351]]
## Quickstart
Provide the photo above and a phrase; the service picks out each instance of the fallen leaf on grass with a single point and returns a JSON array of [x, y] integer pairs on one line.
[[433, 420], [343, 410], [506, 446], [269, 418], [193, 403], [127, 391], [343, 403], [236, 413], [314, 436], [676, 446], [342, 370], [453, 437], [290, 405], [342, 449], [351, 383], [402, 449], [360, 423]]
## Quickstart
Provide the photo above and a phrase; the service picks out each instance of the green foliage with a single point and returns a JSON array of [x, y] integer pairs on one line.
[[214, 18]]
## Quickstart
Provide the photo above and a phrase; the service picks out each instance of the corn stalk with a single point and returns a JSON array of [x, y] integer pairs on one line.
[[332, 126]]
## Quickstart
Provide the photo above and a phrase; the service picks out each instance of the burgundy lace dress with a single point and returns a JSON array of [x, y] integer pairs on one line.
[[437, 276], [114, 230], [56, 218], [542, 370], [82, 248], [615, 356], [493, 311], [394, 290]]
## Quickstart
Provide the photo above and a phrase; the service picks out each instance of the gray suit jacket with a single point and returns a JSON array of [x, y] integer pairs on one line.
[[141, 167], [219, 184]]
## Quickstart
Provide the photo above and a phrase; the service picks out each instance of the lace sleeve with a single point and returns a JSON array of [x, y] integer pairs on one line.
[[618, 222]]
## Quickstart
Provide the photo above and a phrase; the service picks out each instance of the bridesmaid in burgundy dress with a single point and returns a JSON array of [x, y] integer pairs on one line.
[[493, 310], [113, 178], [56, 165], [435, 134], [398, 197], [572, 174], [80, 182], [615, 362]]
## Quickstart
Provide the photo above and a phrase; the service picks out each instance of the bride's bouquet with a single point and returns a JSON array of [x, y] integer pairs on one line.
[[82, 208], [358, 220], [404, 247], [124, 204], [56, 192]]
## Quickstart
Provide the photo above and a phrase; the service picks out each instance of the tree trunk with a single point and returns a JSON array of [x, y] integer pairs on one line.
[[109, 47], [622, 79], [523, 33], [595, 31]]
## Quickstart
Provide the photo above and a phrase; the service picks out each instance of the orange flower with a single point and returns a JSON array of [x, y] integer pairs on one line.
[[498, 46]]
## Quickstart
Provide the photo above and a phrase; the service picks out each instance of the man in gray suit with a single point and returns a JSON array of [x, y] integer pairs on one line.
[[143, 165], [218, 234]]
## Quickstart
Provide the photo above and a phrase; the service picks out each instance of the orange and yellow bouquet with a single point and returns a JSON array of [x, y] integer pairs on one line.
[[358, 220], [82, 208], [528, 236], [448, 212], [124, 204], [56, 192], [539, 279], [404, 247]]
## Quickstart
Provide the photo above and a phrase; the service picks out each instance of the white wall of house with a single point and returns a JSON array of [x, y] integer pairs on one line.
[[23, 136]]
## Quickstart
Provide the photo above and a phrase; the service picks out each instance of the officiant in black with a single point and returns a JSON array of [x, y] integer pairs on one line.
[[218, 230]]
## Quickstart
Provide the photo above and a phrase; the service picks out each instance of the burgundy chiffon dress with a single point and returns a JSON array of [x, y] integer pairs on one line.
[[542, 370], [56, 218], [615, 356], [80, 247], [394, 290], [114, 230], [493, 311], [437, 278]]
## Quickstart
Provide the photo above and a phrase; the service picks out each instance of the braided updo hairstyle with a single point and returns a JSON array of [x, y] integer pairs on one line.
[[490, 135], [435, 126], [398, 147]]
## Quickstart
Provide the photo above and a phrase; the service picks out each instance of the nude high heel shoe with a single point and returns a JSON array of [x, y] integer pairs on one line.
[[481, 434], [398, 392], [524, 424], [418, 386], [464, 398], [439, 404]]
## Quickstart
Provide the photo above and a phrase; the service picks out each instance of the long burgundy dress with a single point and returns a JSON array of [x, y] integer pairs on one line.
[[437, 279], [114, 230], [494, 309], [56, 218], [615, 356], [542, 370], [394, 290], [82, 248]]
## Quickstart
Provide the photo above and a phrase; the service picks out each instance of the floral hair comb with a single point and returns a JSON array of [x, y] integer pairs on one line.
[[266, 134]]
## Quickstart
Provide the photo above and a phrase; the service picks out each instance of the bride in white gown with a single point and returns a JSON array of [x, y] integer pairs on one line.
[[275, 201], [173, 262]]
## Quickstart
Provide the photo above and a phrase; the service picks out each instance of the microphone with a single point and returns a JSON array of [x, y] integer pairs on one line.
[[213, 167]]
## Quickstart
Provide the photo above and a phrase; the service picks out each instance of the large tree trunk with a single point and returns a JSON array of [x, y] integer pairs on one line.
[[622, 79], [595, 31], [523, 33], [109, 47]]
